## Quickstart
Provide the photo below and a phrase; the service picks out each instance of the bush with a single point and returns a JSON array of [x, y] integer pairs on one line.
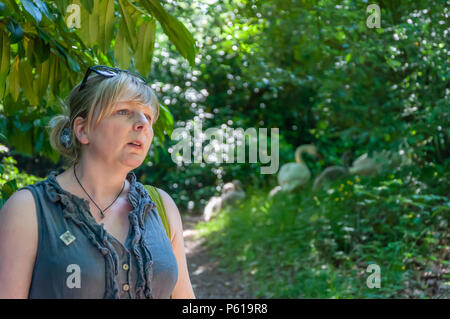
[[11, 179]]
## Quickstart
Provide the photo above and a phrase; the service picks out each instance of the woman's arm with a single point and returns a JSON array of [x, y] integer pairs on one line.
[[183, 288], [18, 244]]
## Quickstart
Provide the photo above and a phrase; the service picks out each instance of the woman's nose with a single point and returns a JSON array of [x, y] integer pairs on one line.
[[141, 121]]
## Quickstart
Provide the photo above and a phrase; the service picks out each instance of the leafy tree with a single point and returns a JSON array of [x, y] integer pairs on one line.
[[44, 54]]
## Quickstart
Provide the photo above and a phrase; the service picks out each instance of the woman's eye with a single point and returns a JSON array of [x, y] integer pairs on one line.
[[123, 112], [149, 118]]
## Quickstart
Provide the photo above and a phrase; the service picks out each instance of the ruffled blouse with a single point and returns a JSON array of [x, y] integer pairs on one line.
[[78, 258]]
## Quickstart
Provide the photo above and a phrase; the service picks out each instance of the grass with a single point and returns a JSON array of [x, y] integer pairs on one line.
[[308, 245]]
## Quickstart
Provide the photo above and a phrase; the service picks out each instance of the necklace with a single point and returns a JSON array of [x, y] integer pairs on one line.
[[101, 211]]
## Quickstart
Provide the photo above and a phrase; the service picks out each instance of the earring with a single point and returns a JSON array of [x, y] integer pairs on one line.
[[66, 139]]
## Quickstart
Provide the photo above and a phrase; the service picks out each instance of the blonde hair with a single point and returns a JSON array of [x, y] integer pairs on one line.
[[94, 102]]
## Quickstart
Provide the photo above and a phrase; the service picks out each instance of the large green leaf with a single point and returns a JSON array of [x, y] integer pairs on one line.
[[4, 62], [106, 24], [26, 80], [88, 5], [129, 30], [29, 50], [33, 10], [62, 5], [164, 123], [83, 31], [122, 54], [12, 6], [54, 76], [101, 25], [42, 6], [89, 25], [175, 30], [93, 24], [13, 82], [43, 79], [146, 43]]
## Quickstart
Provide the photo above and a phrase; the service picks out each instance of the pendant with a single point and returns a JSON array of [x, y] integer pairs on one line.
[[67, 238]]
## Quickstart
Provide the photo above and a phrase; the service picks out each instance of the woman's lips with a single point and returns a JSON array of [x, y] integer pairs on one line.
[[135, 146]]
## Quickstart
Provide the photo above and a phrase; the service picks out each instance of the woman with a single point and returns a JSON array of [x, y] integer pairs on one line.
[[93, 231]]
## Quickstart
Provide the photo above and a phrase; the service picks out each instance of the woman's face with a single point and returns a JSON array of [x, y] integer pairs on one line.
[[128, 122]]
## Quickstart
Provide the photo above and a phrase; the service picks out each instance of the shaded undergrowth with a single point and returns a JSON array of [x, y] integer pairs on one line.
[[319, 245]]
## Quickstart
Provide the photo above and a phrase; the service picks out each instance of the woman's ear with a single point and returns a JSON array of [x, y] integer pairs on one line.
[[80, 130]]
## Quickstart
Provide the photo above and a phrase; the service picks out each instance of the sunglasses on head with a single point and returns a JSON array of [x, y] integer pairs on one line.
[[107, 72]]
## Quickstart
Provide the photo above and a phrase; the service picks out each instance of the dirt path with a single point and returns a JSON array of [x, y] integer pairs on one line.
[[207, 279]]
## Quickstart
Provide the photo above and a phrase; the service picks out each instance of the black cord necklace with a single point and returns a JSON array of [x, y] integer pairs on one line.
[[101, 211]]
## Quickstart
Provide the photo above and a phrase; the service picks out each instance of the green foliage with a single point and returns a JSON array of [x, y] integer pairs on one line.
[[11, 179], [318, 245], [44, 54]]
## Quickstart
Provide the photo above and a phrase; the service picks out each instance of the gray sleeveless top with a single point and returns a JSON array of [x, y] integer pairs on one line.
[[78, 258]]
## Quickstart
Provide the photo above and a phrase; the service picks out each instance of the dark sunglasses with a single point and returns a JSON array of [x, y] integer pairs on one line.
[[107, 72]]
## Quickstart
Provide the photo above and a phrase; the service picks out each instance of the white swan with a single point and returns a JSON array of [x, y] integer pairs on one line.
[[232, 194], [333, 172], [212, 208], [369, 166], [379, 161], [296, 175]]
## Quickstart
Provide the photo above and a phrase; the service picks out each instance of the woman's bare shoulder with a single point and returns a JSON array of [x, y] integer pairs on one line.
[[18, 219], [19, 212], [19, 238], [21, 202]]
